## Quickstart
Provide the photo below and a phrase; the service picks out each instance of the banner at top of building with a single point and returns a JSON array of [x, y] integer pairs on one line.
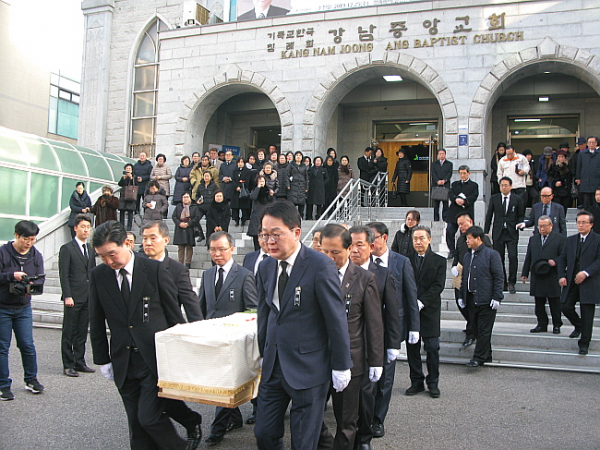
[[260, 9]]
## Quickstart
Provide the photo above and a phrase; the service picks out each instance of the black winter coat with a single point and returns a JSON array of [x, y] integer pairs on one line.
[[241, 178], [333, 177], [217, 215], [563, 175], [299, 183], [126, 205], [402, 174], [260, 198], [403, 242], [143, 171], [543, 285], [487, 276], [185, 236], [181, 187], [381, 164], [318, 179], [284, 181], [10, 262], [207, 193], [77, 203]]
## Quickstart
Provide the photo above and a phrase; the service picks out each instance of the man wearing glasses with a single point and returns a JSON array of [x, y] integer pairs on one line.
[[226, 288], [302, 333], [579, 276], [546, 207]]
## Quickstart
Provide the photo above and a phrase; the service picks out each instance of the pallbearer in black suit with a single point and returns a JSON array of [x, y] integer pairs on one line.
[[543, 251], [462, 196], [507, 210], [579, 272], [155, 238], [481, 290], [226, 288], [408, 309], [362, 244], [302, 333], [365, 327], [547, 208], [137, 298], [75, 262], [430, 274], [441, 172]]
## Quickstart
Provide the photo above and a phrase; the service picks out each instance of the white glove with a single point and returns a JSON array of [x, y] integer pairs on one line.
[[461, 303], [413, 337], [107, 371], [260, 361], [421, 305], [454, 271], [392, 354], [494, 304], [520, 226], [341, 379], [375, 373]]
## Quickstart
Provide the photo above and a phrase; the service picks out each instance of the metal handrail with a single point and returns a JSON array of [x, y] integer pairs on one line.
[[346, 207]]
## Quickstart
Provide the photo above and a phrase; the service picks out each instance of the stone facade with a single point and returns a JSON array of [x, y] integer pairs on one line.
[[465, 71]]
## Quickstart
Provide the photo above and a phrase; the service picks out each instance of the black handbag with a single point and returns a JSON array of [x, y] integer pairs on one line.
[[439, 193], [244, 192], [394, 192]]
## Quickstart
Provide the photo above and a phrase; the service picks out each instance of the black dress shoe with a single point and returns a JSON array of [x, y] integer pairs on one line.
[[450, 256], [538, 329], [414, 390], [434, 392], [378, 430], [84, 369], [556, 330], [468, 342], [194, 435], [474, 364], [583, 350], [505, 288], [70, 373], [251, 418], [213, 439], [233, 426], [364, 446], [575, 334], [511, 288]]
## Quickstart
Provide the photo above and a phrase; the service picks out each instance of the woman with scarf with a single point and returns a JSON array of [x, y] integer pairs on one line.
[[186, 217]]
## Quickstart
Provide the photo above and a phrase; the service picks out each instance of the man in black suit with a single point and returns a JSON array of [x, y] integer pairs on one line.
[[579, 272], [75, 262], [302, 333], [362, 244], [263, 9], [430, 274], [226, 288], [408, 309], [507, 210], [365, 328], [155, 238], [368, 170], [463, 195], [137, 298], [226, 174], [547, 208], [441, 172], [543, 251], [251, 262]]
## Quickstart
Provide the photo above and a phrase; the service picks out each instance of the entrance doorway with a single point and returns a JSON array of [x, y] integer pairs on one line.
[[537, 132], [419, 141]]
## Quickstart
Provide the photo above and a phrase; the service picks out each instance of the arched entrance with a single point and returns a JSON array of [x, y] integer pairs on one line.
[[357, 105]]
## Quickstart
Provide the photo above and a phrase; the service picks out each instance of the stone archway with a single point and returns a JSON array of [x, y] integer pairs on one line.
[[220, 88], [345, 77], [548, 55]]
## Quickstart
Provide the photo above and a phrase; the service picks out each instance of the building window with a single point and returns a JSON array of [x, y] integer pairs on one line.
[[63, 113], [145, 89]]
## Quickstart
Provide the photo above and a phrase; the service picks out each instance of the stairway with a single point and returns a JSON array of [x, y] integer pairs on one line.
[[513, 344]]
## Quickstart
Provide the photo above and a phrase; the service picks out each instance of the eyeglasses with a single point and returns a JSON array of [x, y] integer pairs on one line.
[[378, 236], [273, 237], [212, 251]]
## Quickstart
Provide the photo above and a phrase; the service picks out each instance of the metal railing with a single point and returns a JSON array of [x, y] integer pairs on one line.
[[346, 207]]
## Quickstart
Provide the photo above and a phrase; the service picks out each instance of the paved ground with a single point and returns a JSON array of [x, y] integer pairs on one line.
[[495, 408]]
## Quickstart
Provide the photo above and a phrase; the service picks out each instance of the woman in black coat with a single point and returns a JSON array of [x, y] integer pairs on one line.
[[182, 180], [126, 207], [242, 177], [560, 178], [402, 174], [261, 195], [204, 196], [333, 177], [318, 178], [282, 176], [381, 163], [403, 239], [218, 215], [497, 156], [297, 173], [80, 203], [186, 217]]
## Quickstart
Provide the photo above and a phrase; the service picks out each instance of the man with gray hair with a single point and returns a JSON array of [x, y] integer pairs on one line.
[[543, 251]]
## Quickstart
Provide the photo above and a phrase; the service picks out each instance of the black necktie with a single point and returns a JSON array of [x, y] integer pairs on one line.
[[504, 204], [420, 262], [545, 212], [264, 256], [261, 16], [85, 254], [378, 261], [125, 289], [219, 284], [283, 279], [543, 240]]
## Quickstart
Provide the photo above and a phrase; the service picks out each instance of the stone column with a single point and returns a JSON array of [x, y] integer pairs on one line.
[[93, 109]]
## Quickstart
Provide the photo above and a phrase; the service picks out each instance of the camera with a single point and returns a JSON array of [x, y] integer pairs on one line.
[[24, 288]]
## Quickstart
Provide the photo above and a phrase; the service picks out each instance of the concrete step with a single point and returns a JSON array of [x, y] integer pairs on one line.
[[528, 319]]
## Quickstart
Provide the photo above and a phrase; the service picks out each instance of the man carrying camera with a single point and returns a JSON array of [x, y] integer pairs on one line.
[[21, 275]]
